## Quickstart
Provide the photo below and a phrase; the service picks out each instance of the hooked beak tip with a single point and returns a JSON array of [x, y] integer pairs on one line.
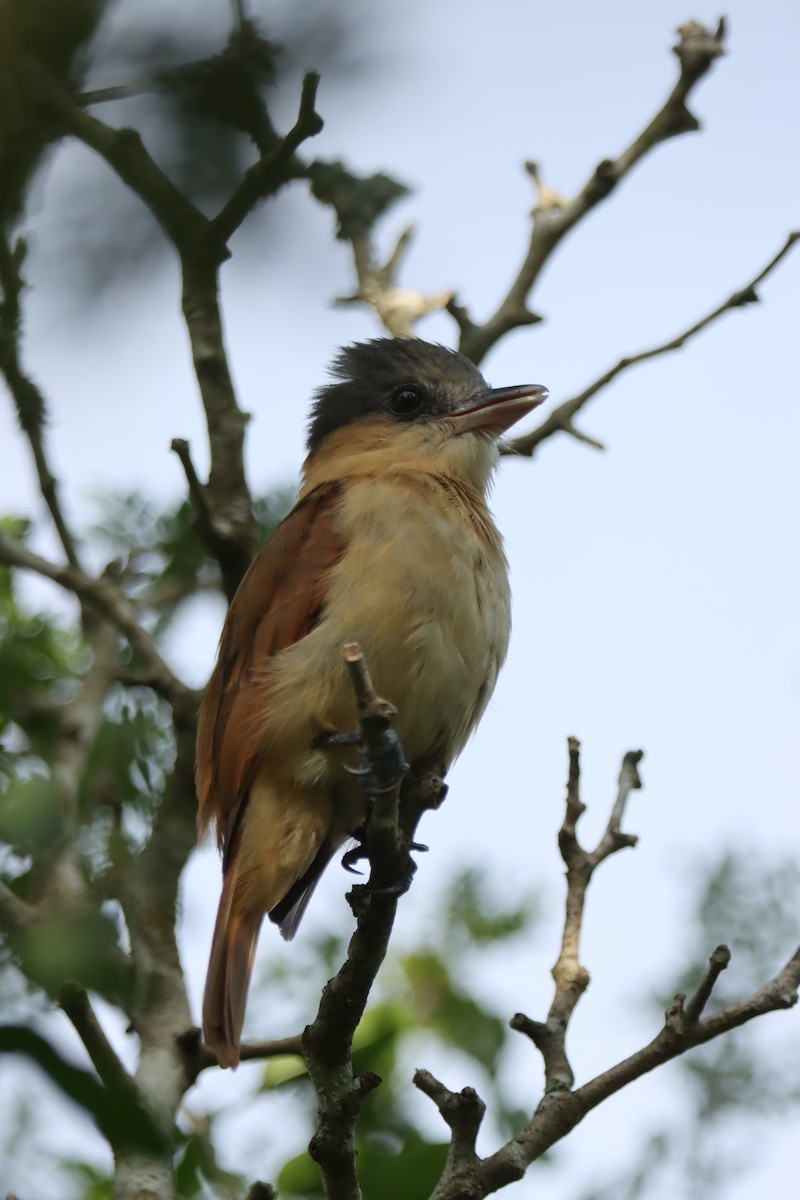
[[499, 409]]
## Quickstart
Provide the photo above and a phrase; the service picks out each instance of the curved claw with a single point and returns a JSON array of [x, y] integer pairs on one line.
[[359, 772], [353, 856]]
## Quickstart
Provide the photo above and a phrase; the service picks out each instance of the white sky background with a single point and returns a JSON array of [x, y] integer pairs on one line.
[[655, 586]]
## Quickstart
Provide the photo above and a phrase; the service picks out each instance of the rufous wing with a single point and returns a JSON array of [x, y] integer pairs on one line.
[[277, 604]]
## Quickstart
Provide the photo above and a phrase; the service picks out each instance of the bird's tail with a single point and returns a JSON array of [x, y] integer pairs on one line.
[[230, 965]]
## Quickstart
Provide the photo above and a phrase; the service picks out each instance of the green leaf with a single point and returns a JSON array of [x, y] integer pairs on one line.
[[410, 1173], [74, 945], [31, 819]]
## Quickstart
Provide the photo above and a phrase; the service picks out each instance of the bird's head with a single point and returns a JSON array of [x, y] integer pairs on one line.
[[404, 400]]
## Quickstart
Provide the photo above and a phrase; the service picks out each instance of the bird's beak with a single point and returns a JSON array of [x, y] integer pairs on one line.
[[496, 410]]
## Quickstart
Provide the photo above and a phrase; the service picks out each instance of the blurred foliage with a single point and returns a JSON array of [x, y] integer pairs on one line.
[[53, 34], [357, 201], [201, 94], [158, 554]]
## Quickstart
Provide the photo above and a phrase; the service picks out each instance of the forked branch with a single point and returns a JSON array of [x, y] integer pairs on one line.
[[561, 419], [562, 1108], [571, 978], [697, 49]]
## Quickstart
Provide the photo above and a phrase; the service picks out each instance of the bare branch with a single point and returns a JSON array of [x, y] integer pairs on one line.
[[105, 598], [198, 1057], [561, 1111], [274, 169], [398, 308], [717, 963], [75, 1004], [697, 49], [232, 556], [463, 1112], [571, 978], [561, 418], [202, 250], [613, 839]]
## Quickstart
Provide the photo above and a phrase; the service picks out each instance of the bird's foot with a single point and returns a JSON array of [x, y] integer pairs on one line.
[[355, 853], [399, 886], [380, 768], [358, 852]]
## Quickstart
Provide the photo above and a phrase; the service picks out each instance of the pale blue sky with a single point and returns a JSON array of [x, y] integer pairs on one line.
[[656, 585]]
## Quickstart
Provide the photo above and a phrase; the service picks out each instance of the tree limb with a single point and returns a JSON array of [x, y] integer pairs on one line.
[[560, 420], [327, 1042], [697, 49]]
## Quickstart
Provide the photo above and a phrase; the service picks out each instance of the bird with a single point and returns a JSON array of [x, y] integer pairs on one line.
[[390, 544]]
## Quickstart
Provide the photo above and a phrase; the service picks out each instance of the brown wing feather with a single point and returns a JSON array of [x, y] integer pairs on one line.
[[277, 604]]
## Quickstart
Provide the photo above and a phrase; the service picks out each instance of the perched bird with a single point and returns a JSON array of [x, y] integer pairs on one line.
[[390, 544]]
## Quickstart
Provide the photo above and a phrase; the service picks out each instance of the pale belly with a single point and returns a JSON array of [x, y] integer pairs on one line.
[[425, 592]]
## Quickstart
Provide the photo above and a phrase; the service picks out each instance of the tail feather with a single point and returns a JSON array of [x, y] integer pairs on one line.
[[230, 966]]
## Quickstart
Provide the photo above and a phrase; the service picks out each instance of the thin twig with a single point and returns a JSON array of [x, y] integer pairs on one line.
[[560, 419], [198, 1057], [570, 976], [125, 152], [463, 1112], [398, 308], [75, 1004], [274, 169], [716, 965], [697, 49], [214, 533]]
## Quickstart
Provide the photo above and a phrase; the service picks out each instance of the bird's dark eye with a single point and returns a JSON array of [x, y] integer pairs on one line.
[[407, 401]]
